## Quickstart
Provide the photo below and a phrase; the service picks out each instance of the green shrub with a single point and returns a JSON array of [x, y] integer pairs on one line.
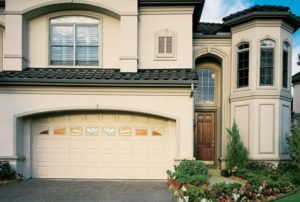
[[194, 193], [294, 142], [290, 170], [191, 171], [6, 173], [236, 152]]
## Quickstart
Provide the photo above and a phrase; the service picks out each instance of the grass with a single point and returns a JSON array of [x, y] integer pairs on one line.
[[291, 198]]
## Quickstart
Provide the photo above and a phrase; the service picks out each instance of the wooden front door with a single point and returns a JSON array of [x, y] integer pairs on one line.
[[205, 137]]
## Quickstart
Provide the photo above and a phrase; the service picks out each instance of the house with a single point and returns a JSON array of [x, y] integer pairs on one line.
[[124, 89], [296, 101]]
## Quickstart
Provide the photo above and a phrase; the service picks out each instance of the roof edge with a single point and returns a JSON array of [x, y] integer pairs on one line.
[[284, 15]]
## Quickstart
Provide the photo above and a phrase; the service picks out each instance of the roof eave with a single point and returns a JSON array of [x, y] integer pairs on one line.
[[287, 16], [198, 4], [94, 83]]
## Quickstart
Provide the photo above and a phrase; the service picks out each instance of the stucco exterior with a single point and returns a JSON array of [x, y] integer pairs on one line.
[[129, 50]]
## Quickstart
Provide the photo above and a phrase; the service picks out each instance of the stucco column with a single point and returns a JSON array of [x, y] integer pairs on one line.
[[128, 43], [13, 48]]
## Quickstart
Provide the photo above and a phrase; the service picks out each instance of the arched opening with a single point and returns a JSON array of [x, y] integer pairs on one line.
[[115, 144], [208, 113]]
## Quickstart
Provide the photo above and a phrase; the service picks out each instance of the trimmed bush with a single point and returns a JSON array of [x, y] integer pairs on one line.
[[236, 152], [191, 171], [6, 173]]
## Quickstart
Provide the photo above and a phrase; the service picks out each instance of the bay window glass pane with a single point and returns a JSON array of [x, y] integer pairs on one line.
[[243, 66], [205, 92], [285, 59]]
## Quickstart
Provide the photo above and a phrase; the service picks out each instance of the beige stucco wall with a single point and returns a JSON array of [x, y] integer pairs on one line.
[[109, 31], [17, 104], [178, 20], [119, 20]]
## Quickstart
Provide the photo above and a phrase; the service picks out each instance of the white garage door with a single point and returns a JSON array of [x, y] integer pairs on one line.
[[123, 146]]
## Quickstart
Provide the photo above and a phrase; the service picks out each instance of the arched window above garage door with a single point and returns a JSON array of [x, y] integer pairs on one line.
[[74, 41]]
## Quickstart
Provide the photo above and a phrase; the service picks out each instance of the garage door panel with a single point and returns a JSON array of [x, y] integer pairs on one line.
[[57, 144], [140, 158], [108, 172], [124, 145], [92, 158], [92, 144], [76, 144], [110, 146], [140, 145], [108, 158], [59, 157], [124, 158]]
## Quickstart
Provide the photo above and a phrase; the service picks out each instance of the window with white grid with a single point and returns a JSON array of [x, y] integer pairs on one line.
[[74, 41]]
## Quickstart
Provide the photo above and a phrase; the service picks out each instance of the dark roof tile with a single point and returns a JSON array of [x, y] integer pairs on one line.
[[207, 28], [296, 78], [88, 76], [256, 8]]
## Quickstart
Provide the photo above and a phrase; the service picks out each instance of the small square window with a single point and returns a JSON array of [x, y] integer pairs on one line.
[[92, 131], [125, 131], [108, 131], [165, 45], [59, 131], [77, 131], [141, 132]]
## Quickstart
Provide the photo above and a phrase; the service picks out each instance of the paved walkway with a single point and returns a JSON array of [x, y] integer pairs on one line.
[[219, 179], [44, 190]]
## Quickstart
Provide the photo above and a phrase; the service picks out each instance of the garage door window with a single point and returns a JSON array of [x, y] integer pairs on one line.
[[156, 133], [125, 131], [108, 131], [59, 131], [92, 131], [141, 132], [76, 131]]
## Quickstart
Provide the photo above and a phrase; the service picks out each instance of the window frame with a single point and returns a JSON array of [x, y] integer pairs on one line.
[[99, 35], [238, 64], [273, 48], [286, 48], [165, 33]]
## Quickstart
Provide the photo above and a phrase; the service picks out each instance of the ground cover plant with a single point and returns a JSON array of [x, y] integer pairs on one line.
[[264, 181]]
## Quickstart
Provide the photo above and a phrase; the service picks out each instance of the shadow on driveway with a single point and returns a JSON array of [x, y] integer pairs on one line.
[[86, 190]]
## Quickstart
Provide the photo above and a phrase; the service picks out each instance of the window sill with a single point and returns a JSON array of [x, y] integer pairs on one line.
[[165, 59]]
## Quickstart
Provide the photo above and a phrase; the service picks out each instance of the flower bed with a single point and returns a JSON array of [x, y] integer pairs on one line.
[[189, 183]]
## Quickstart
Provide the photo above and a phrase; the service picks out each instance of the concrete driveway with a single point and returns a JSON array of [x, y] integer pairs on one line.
[[85, 190]]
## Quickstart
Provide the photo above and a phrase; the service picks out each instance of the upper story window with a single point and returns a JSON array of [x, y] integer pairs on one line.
[[165, 44], [267, 62], [243, 65], [74, 40], [205, 92], [285, 62]]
